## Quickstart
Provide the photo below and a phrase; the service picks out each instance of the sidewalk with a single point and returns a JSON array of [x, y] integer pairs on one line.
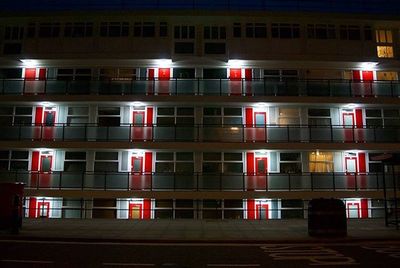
[[191, 231]]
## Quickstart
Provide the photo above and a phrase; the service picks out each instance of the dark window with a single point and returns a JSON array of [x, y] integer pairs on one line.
[[184, 73], [184, 32], [249, 30], [47, 30], [114, 29], [149, 29], [219, 73], [214, 32], [163, 29], [78, 29], [350, 32], [31, 33], [11, 73], [214, 48], [260, 30], [137, 29], [12, 48], [285, 30], [237, 30], [319, 112], [184, 47], [368, 33]]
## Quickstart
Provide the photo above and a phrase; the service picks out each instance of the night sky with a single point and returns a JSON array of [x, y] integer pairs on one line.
[[351, 6]]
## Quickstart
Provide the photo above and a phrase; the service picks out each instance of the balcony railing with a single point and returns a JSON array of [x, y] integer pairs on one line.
[[201, 133], [203, 87], [128, 181]]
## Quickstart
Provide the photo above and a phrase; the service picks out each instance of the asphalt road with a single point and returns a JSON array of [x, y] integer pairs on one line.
[[89, 254]]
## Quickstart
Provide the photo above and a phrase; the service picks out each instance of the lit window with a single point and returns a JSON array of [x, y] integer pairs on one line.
[[321, 162], [384, 40], [385, 51]]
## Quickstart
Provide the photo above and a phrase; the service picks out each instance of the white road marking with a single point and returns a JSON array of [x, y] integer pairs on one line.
[[27, 261], [315, 255], [127, 264], [198, 244], [392, 250], [234, 265]]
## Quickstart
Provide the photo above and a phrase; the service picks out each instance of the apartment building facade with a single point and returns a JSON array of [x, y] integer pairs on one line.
[[201, 115]]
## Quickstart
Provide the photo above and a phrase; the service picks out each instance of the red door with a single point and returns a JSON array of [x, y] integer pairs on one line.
[[48, 125], [235, 83], [43, 209], [162, 86], [235, 74], [261, 168], [42, 74], [262, 211], [348, 126], [45, 171], [30, 73], [138, 125], [248, 77], [135, 211], [367, 75], [164, 74]]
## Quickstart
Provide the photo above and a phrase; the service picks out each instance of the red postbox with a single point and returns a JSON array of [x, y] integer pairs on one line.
[[11, 206]]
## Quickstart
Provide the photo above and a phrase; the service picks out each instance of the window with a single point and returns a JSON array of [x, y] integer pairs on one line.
[[222, 163], [256, 30], [12, 48], [15, 115], [319, 117], [14, 160], [321, 161], [184, 48], [13, 33], [108, 116], [178, 162], [384, 40], [75, 161], [214, 32], [31, 31], [290, 163], [145, 29], [74, 74], [222, 116], [78, 29], [367, 33], [214, 48], [184, 32], [321, 31], [77, 115], [280, 75], [350, 32], [237, 30], [382, 117], [374, 166], [175, 115], [106, 162], [114, 29], [47, 30], [118, 74], [163, 29], [285, 30], [289, 116]]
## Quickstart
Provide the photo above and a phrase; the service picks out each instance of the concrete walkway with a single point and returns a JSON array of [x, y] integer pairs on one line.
[[192, 230]]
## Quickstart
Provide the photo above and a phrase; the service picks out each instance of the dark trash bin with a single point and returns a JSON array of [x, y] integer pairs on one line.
[[11, 208], [327, 217]]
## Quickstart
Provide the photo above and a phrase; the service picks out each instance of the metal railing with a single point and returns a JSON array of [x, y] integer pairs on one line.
[[242, 182], [201, 133], [203, 87]]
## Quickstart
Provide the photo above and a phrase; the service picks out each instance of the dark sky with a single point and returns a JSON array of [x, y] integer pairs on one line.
[[351, 6]]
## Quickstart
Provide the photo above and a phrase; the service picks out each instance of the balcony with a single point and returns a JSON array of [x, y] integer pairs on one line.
[[203, 87], [197, 182], [201, 133]]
